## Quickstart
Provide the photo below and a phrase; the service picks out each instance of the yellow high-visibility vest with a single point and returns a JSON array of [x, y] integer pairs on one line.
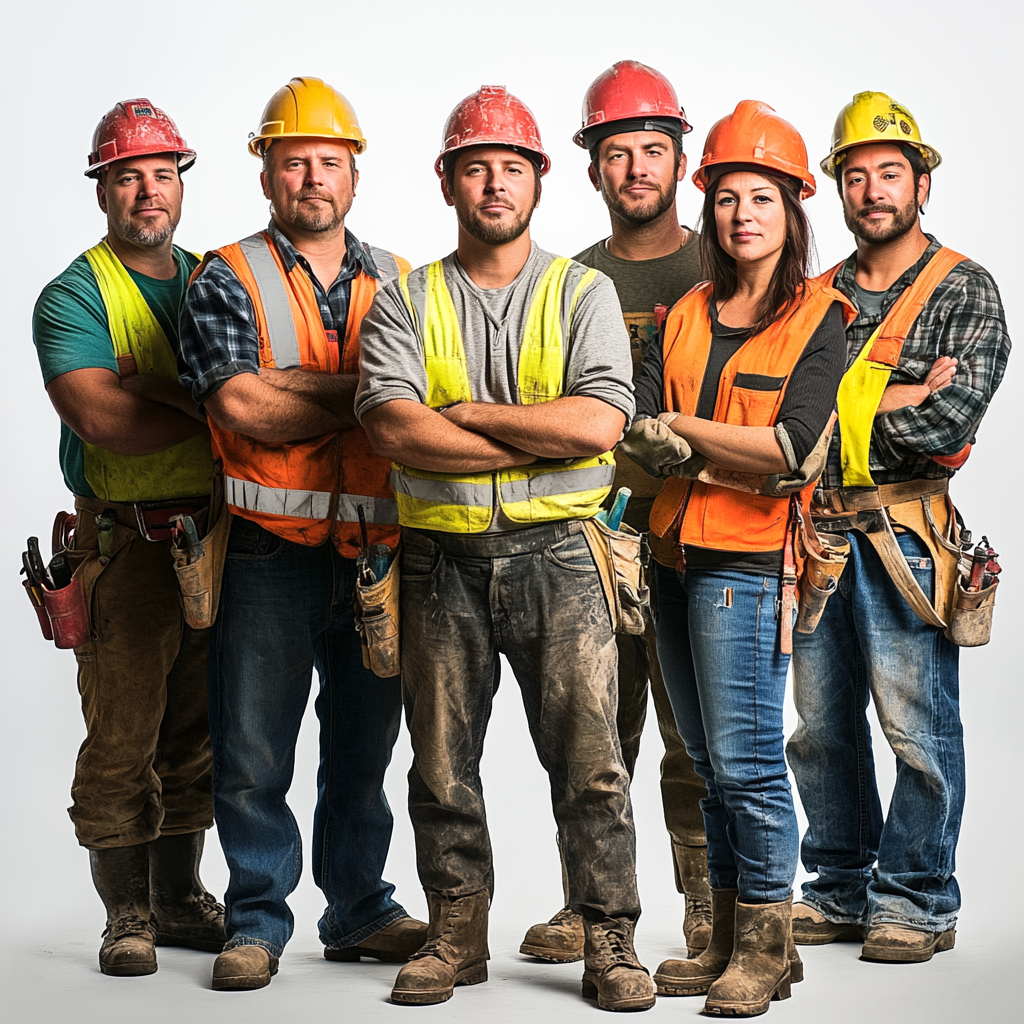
[[465, 502], [184, 469]]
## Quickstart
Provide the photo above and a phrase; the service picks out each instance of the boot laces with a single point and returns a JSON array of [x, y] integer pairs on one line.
[[564, 916], [127, 925]]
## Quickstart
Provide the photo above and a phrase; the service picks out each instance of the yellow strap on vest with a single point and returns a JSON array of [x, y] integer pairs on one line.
[[134, 330], [860, 392]]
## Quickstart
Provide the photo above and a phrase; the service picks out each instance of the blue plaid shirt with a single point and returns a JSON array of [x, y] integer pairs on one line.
[[962, 319], [217, 330]]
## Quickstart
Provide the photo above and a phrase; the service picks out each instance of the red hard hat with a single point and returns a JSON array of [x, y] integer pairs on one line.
[[629, 90], [136, 128], [754, 134], [491, 116]]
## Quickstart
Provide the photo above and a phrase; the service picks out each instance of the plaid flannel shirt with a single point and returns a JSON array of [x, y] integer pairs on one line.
[[962, 319], [217, 328]]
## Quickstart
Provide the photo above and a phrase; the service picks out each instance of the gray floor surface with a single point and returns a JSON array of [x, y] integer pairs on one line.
[[50, 981]]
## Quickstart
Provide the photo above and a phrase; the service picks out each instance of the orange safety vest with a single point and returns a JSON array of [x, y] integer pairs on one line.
[[750, 393], [305, 491]]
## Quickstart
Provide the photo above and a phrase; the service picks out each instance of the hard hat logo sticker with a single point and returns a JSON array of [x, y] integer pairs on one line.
[[142, 111], [905, 128], [881, 123]]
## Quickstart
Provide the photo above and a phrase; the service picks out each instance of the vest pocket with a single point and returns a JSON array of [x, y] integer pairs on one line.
[[754, 406]]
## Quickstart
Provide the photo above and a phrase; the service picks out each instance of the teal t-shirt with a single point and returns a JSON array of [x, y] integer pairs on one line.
[[69, 328]]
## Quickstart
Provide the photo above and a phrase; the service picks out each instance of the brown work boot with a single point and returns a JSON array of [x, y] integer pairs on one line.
[[184, 913], [894, 943], [812, 928], [695, 976], [759, 970], [121, 877], [613, 975], [691, 870], [243, 967], [559, 941], [455, 952], [392, 944]]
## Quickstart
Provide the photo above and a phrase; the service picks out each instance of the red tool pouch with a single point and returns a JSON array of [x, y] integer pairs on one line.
[[69, 617]]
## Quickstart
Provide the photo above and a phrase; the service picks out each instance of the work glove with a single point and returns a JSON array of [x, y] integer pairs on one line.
[[659, 451]]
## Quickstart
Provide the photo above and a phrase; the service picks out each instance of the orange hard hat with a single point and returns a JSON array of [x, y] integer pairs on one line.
[[136, 128], [630, 91], [491, 116], [754, 134]]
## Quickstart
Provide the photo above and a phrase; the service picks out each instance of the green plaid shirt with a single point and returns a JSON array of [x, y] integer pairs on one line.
[[962, 319]]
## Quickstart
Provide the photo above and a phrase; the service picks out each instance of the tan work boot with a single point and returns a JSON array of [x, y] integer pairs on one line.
[[243, 967], [184, 913], [694, 977], [812, 928], [691, 870], [613, 975], [121, 877], [455, 952], [392, 944], [559, 941], [759, 970], [894, 943]]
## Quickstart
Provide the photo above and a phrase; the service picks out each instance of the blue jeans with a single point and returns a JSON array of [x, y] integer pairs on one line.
[[284, 609], [718, 641], [870, 644]]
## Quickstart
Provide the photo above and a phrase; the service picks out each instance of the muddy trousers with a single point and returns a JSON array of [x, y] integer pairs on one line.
[[871, 645], [535, 596], [143, 769]]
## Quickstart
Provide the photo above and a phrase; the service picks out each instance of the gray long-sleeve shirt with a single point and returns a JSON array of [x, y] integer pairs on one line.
[[491, 321]]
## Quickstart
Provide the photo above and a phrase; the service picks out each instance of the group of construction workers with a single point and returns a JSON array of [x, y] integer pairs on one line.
[[480, 415]]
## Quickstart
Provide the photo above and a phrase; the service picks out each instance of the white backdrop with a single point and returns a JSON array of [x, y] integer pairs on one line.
[[212, 65]]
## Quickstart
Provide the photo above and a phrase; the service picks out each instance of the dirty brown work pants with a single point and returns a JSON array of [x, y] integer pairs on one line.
[[533, 595], [144, 767]]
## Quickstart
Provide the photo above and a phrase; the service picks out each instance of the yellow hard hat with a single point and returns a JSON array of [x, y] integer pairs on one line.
[[307, 107], [875, 117]]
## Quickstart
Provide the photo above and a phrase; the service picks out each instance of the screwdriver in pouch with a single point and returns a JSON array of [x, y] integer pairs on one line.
[[105, 532], [60, 571]]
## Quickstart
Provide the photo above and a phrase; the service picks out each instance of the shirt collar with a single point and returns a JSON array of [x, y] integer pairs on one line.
[[356, 256], [845, 279]]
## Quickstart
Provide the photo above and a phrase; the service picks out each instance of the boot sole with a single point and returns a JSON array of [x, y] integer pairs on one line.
[[352, 954], [590, 991], [475, 975], [881, 953], [730, 1009], [668, 986], [551, 956], [834, 933], [128, 970], [243, 982], [184, 942]]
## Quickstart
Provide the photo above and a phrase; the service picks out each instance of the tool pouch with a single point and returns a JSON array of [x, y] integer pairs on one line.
[[970, 621], [822, 569], [377, 622], [622, 557], [68, 614], [200, 579], [40, 610]]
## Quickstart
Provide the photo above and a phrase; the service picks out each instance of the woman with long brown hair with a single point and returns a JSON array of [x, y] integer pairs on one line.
[[745, 381]]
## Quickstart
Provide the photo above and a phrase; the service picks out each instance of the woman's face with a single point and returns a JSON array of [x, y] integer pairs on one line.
[[749, 215]]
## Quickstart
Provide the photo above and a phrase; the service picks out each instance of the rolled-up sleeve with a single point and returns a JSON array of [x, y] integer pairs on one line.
[[600, 364], [217, 331], [390, 354], [973, 331]]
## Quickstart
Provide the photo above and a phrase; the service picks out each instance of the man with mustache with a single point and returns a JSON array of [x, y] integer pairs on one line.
[[270, 339], [135, 451], [633, 129], [497, 379], [927, 351]]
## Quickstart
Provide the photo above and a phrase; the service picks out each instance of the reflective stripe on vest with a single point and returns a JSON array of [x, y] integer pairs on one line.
[[864, 383], [464, 503], [279, 501], [283, 338], [184, 469]]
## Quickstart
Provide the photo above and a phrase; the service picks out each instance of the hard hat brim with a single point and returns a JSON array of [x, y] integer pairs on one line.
[[186, 158], [545, 164], [257, 147], [931, 155]]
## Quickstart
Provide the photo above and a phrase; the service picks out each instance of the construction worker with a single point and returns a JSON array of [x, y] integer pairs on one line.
[[744, 382], [633, 128], [927, 351], [494, 476], [270, 337], [134, 451]]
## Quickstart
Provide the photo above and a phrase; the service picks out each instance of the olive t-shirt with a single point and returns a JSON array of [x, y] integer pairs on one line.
[[69, 328], [641, 285]]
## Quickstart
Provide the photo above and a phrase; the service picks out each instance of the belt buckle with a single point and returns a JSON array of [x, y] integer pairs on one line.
[[164, 530]]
